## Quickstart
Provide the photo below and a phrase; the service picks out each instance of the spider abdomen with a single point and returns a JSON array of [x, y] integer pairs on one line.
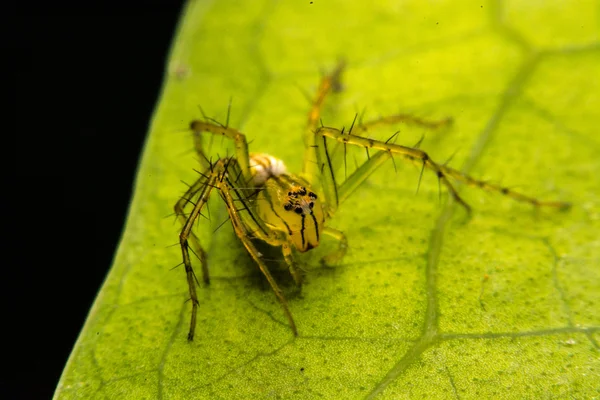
[[264, 166]]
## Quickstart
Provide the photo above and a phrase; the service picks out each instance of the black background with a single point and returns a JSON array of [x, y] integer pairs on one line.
[[83, 81]]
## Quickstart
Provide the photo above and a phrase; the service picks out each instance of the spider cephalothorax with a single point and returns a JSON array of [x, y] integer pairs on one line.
[[302, 203], [294, 209]]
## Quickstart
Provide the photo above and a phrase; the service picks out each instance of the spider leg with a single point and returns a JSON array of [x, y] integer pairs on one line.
[[336, 194], [329, 83], [276, 237], [198, 146], [204, 188], [295, 270], [199, 186], [361, 129], [223, 176], [387, 150], [337, 255], [492, 187], [240, 227], [241, 145]]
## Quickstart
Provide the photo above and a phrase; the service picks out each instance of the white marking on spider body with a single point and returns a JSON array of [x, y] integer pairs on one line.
[[264, 166]]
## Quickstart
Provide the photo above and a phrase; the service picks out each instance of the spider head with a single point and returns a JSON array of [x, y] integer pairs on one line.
[[288, 204], [303, 215]]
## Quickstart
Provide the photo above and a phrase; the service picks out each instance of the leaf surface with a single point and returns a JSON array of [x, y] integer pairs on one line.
[[427, 303]]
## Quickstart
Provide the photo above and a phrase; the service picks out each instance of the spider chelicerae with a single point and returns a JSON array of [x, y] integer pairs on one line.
[[266, 202]]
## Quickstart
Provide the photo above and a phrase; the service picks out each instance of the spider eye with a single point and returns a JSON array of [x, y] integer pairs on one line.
[[302, 191], [287, 207], [298, 210], [289, 193], [312, 196]]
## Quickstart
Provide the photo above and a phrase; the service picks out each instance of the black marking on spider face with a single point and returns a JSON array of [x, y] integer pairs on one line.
[[298, 210], [335, 187], [302, 230], [316, 226], [311, 205], [302, 191], [312, 196], [287, 206]]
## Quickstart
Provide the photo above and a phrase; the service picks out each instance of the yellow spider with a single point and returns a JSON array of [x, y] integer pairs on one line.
[[266, 202]]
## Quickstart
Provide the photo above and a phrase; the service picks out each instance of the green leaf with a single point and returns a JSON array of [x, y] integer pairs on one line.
[[427, 303]]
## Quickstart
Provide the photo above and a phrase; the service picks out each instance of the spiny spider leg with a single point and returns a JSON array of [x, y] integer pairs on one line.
[[492, 187], [185, 234], [198, 187], [373, 162], [329, 83], [413, 154], [199, 147], [241, 145], [244, 229], [198, 127], [219, 177], [361, 129]]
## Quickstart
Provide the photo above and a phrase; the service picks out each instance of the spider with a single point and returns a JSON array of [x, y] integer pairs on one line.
[[266, 202]]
